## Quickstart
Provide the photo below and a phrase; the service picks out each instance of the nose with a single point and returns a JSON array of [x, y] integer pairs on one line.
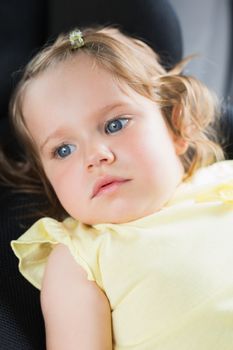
[[99, 155]]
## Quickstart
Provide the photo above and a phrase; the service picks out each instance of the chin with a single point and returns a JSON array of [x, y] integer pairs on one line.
[[116, 219]]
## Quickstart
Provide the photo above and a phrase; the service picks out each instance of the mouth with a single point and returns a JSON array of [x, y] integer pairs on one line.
[[107, 185]]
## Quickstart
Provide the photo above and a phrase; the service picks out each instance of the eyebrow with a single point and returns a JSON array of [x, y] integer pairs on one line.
[[59, 131], [54, 135]]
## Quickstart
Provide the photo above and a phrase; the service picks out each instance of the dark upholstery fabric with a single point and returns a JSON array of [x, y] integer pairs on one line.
[[21, 323], [23, 29], [152, 20]]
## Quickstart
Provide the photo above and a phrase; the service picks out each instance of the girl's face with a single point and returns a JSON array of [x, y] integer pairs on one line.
[[105, 149]]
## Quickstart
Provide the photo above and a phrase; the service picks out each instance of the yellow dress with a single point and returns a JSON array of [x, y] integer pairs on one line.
[[168, 276]]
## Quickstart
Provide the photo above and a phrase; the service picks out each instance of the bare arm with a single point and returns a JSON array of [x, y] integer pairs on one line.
[[76, 312]]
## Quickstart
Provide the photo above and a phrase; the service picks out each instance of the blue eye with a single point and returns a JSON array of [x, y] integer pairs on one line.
[[64, 151], [115, 125]]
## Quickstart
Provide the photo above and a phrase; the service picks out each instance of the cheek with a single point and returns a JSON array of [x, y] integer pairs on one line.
[[138, 144], [70, 195], [142, 149], [66, 182], [153, 154]]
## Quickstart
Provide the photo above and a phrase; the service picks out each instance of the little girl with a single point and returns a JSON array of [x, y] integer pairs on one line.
[[138, 254]]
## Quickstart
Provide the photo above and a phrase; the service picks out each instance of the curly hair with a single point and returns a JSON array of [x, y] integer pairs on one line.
[[189, 108]]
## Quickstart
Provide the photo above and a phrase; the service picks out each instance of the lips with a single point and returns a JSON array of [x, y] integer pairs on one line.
[[107, 184]]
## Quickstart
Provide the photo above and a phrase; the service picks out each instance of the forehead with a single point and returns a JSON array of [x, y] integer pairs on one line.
[[78, 80], [62, 77], [76, 89]]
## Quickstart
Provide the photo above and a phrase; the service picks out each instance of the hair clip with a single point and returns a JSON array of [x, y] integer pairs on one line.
[[76, 39]]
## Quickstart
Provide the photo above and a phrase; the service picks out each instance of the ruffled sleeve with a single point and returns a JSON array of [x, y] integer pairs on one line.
[[35, 245]]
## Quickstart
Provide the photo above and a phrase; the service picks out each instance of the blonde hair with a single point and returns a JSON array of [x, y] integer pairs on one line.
[[187, 105]]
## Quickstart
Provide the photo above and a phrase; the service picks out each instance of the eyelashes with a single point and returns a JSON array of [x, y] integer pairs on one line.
[[112, 126], [63, 151], [115, 125]]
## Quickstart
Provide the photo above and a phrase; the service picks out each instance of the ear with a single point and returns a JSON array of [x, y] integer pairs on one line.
[[180, 144]]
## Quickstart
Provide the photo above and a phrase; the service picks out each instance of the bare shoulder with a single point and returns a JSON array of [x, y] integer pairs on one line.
[[60, 267], [63, 274], [73, 306]]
